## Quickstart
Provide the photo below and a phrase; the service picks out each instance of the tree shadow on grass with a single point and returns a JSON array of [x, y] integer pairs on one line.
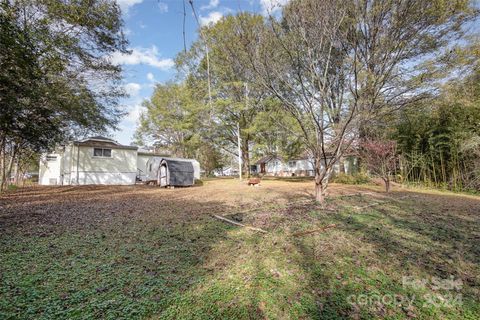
[[389, 242], [288, 179], [128, 256], [154, 253], [431, 240]]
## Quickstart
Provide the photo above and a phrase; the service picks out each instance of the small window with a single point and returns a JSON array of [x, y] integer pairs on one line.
[[97, 152], [51, 158], [107, 153], [101, 152], [150, 168], [292, 164]]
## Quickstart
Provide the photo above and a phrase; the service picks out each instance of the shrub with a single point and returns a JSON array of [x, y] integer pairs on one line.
[[358, 178]]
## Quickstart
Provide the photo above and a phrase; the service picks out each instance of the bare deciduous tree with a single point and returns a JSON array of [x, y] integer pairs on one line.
[[381, 158], [306, 62], [336, 65]]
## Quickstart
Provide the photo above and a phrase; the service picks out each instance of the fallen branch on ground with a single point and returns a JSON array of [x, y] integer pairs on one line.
[[303, 233], [239, 224]]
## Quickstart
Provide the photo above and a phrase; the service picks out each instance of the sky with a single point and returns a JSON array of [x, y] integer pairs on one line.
[[154, 29]]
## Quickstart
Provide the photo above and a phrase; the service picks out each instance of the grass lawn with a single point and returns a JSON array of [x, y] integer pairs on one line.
[[145, 252]]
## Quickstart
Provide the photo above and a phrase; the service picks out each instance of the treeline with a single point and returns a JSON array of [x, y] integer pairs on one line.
[[323, 78], [439, 139], [56, 81], [396, 80]]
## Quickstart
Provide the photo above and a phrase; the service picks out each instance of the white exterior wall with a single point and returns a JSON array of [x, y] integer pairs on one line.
[[303, 167], [152, 166], [77, 165], [67, 164], [142, 165], [278, 167], [120, 168], [300, 165], [108, 178], [50, 171], [228, 171], [275, 166]]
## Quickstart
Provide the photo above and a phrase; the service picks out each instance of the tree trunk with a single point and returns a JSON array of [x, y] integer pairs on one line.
[[320, 184], [246, 158], [7, 170], [13, 155], [2, 169], [341, 165], [387, 184], [319, 195]]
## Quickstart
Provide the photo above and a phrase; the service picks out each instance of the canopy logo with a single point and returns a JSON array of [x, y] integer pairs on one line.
[[431, 291]]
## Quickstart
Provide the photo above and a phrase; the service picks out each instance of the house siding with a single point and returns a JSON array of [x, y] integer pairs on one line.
[[49, 173], [300, 167], [142, 165], [76, 164]]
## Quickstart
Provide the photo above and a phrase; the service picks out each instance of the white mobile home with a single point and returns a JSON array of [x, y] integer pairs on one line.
[[96, 160]]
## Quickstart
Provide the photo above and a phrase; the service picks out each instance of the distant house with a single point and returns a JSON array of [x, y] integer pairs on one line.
[[225, 172], [96, 160], [301, 167]]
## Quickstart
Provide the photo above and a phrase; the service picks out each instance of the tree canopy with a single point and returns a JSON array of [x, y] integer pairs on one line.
[[57, 81]]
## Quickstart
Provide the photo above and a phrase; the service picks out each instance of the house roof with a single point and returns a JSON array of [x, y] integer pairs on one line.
[[101, 138], [153, 154], [99, 141], [266, 159]]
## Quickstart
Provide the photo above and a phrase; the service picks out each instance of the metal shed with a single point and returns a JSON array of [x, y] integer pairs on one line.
[[175, 173], [172, 171]]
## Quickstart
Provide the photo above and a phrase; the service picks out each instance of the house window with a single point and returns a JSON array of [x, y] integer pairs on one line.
[[51, 158], [150, 168], [292, 164], [107, 153], [101, 152]]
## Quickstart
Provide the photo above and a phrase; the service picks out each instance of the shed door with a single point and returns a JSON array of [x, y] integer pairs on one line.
[[163, 176]]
